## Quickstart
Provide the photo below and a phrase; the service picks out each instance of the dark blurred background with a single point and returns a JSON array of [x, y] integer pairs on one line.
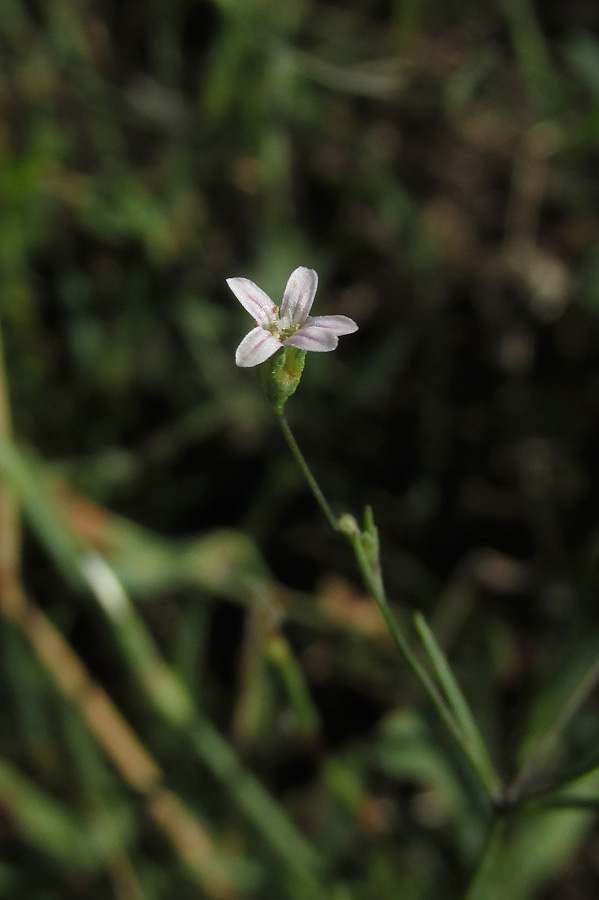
[[437, 164]]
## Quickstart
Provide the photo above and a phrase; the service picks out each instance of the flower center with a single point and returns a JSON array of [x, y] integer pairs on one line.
[[280, 326]]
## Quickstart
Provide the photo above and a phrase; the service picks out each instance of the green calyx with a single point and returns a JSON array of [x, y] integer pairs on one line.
[[281, 375]]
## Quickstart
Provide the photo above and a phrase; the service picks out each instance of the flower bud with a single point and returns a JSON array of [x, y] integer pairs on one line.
[[281, 375], [348, 526]]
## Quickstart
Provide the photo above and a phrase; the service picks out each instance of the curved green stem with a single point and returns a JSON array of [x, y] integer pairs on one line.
[[365, 548], [374, 585], [301, 461]]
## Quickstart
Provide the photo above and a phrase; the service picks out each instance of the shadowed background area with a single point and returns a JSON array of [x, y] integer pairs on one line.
[[197, 698]]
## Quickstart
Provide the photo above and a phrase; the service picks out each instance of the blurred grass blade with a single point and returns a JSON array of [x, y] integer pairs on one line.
[[28, 486], [547, 742], [164, 689], [266, 814], [472, 742], [44, 822], [532, 53], [485, 873], [173, 701], [281, 656], [537, 847]]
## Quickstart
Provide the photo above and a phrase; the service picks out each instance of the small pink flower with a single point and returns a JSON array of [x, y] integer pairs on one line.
[[287, 325]]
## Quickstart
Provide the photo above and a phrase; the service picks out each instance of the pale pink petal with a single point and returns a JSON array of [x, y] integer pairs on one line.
[[312, 337], [336, 324], [299, 294], [256, 346], [252, 298]]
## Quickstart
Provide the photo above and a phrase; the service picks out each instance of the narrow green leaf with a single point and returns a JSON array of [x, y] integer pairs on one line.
[[473, 742]]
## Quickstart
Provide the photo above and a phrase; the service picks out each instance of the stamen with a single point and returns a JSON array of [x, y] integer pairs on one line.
[[276, 309]]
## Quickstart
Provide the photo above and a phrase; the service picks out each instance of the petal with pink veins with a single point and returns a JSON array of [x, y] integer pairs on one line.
[[299, 294], [336, 324], [253, 299], [313, 337], [257, 346]]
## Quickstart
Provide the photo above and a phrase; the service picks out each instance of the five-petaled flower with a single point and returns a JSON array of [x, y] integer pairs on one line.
[[289, 324]]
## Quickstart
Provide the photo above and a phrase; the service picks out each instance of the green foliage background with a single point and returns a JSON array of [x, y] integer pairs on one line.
[[436, 163]]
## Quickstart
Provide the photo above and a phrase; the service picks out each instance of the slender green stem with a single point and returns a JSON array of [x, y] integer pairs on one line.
[[301, 461], [374, 584], [458, 718]]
